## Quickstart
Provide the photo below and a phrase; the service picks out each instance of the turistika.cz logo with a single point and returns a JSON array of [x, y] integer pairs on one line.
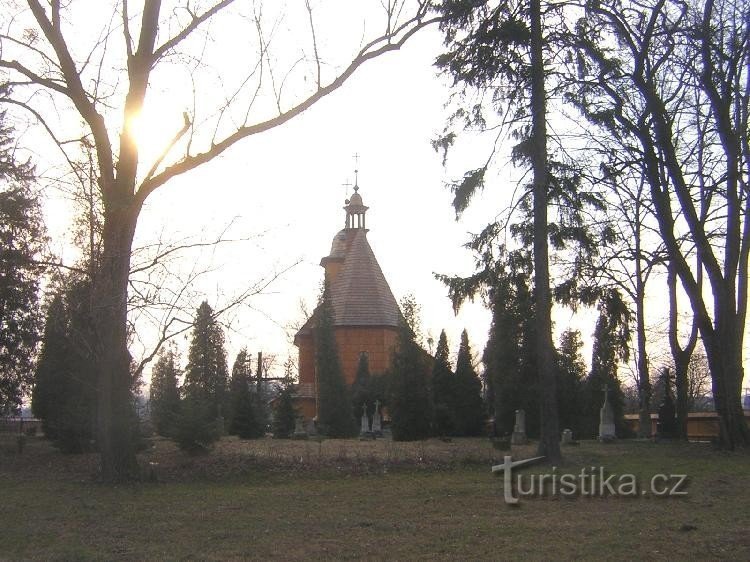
[[589, 482]]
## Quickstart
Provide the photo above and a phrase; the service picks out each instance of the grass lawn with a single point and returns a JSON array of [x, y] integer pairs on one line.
[[379, 500]]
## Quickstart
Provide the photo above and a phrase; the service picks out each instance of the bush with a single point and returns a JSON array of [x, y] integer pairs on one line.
[[195, 430]]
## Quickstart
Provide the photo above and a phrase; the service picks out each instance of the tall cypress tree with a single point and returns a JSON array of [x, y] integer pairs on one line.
[[335, 417], [409, 400], [571, 376], [443, 389], [361, 391], [509, 356], [244, 419], [206, 373], [164, 393], [64, 394], [468, 392]]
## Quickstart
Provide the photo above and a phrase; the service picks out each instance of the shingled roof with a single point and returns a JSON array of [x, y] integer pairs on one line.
[[359, 293]]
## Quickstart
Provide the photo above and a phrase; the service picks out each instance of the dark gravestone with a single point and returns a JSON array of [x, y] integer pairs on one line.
[[666, 425]]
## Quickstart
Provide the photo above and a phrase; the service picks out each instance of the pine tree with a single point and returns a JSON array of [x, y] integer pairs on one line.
[[509, 356], [244, 418], [409, 400], [443, 389], [206, 373], [335, 417], [571, 376], [361, 391], [285, 413], [164, 393], [65, 383], [195, 428], [21, 242], [468, 392]]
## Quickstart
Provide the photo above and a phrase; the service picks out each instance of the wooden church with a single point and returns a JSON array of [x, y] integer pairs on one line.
[[365, 313]]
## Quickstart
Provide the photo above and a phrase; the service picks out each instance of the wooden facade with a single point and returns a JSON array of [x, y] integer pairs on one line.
[[700, 425], [366, 315]]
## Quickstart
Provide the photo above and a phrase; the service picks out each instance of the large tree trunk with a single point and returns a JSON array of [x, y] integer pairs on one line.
[[724, 355], [114, 405], [644, 382], [549, 440], [681, 356]]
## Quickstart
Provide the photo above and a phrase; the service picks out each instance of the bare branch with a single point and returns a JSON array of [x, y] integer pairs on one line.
[[367, 53], [192, 26]]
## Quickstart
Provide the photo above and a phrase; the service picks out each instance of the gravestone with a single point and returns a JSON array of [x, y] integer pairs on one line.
[[567, 437], [667, 421], [310, 427], [377, 428], [364, 429], [299, 429], [519, 429], [606, 419]]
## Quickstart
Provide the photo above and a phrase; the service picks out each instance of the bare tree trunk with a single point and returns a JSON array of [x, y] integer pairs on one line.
[[724, 359], [644, 382], [681, 356], [549, 440], [114, 406]]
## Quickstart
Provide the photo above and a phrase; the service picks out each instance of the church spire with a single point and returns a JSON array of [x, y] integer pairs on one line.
[[354, 207]]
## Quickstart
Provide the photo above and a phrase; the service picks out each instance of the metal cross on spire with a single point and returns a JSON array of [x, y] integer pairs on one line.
[[356, 171], [346, 185]]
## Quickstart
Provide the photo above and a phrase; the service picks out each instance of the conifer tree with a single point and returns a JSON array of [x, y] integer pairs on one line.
[[244, 418], [21, 242], [571, 376], [206, 373], [509, 356], [65, 385], [335, 417], [611, 337], [469, 407], [409, 400], [285, 413], [361, 391], [443, 389], [164, 393]]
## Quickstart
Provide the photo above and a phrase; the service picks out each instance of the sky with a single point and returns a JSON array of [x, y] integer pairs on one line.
[[280, 194], [288, 185]]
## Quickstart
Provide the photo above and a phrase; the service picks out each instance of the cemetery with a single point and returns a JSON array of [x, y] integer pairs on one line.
[[212, 348], [376, 498]]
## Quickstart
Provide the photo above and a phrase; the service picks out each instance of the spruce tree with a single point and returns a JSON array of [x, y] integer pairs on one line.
[[164, 393], [206, 373], [65, 383], [469, 407], [195, 428], [409, 400], [335, 418], [571, 376], [443, 389], [361, 391], [285, 413], [21, 243], [243, 415], [610, 346], [509, 356]]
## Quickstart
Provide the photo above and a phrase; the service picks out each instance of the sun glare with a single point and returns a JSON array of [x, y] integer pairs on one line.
[[152, 128]]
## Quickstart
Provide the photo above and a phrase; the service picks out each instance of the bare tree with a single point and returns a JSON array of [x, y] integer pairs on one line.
[[668, 81], [48, 61]]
